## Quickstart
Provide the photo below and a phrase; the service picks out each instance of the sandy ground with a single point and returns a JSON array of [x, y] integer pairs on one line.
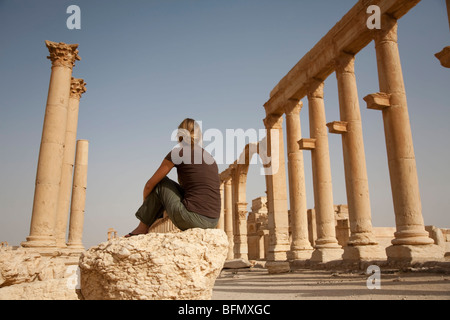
[[307, 284]]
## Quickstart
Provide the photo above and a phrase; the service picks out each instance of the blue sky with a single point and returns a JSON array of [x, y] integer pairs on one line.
[[150, 64]]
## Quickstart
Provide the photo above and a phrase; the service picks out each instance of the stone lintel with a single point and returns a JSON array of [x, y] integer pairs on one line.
[[378, 101], [307, 144], [444, 57], [337, 127]]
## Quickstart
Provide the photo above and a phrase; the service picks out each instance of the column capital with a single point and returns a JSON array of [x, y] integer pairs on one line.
[[293, 107], [444, 57], [61, 54], [273, 122], [77, 88], [315, 88], [388, 31], [345, 63]]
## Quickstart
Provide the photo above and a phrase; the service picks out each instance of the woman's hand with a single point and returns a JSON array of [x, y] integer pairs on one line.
[[162, 171]]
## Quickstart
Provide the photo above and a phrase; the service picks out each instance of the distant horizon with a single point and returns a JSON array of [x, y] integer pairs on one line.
[[150, 64]]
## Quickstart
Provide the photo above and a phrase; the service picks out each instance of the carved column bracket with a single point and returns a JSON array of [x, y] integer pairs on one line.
[[337, 127], [378, 101], [307, 144]]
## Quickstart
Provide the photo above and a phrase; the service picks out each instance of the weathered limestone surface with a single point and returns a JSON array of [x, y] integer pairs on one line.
[[22, 266], [27, 275], [54, 289], [154, 266]]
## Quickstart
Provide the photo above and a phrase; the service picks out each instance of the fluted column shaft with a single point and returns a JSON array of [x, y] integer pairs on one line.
[[300, 246], [48, 176]]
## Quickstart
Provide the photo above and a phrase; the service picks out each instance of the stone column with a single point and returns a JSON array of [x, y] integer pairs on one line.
[[277, 197], [78, 196], [411, 240], [300, 246], [51, 152], [220, 224], [77, 88], [240, 214], [362, 244], [229, 218], [240, 237], [326, 247]]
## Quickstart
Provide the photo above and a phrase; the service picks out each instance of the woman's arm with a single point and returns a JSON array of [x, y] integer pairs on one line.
[[162, 171]]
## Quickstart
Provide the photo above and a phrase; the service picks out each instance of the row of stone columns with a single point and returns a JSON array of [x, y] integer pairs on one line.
[[411, 236], [58, 149], [411, 241]]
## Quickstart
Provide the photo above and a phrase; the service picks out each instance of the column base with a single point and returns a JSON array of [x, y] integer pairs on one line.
[[363, 253], [275, 267], [39, 242], [414, 253], [412, 237], [75, 247], [300, 254], [323, 255], [278, 253]]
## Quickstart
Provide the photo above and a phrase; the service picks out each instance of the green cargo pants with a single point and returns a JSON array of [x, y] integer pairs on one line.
[[167, 196]]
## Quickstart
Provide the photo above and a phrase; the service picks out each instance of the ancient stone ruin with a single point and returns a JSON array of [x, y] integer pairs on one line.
[[283, 237], [330, 232], [181, 265]]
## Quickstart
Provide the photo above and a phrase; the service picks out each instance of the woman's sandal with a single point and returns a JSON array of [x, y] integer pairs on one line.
[[131, 235]]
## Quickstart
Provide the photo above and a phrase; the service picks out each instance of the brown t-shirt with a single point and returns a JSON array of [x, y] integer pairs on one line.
[[198, 175]]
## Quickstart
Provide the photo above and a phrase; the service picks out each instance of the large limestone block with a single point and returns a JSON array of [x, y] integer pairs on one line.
[[182, 265]]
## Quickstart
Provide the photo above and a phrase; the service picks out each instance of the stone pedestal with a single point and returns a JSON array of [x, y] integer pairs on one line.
[[274, 267], [48, 176], [410, 254]]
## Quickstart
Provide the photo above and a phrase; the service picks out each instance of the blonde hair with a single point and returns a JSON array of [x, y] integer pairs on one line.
[[189, 132]]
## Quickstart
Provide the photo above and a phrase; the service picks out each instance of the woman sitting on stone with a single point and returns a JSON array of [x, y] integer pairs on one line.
[[195, 202]]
